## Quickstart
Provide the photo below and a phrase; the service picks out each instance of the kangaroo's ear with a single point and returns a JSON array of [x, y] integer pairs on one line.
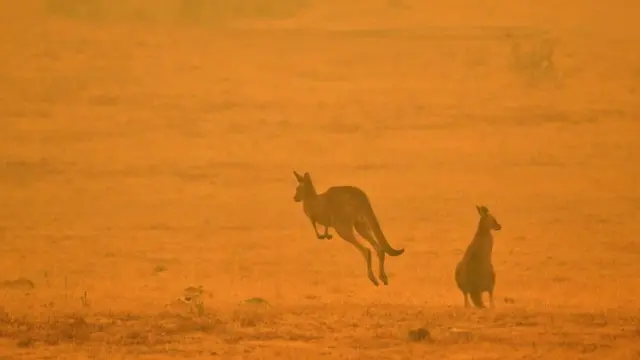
[[482, 210], [298, 176], [307, 176]]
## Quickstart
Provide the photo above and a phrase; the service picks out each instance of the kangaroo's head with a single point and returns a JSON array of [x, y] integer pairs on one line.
[[305, 186], [487, 221]]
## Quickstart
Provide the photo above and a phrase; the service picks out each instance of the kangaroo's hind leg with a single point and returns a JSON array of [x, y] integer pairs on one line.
[[345, 231], [363, 229], [326, 233]]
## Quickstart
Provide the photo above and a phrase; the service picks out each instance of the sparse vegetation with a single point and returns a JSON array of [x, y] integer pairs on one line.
[[85, 300], [144, 151]]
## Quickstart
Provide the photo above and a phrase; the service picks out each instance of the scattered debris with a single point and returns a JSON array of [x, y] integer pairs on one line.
[[179, 305], [159, 269], [25, 342], [190, 302], [461, 334]]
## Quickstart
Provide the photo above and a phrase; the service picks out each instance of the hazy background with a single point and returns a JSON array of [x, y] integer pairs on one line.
[[148, 146]]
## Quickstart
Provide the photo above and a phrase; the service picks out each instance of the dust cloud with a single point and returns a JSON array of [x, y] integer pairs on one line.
[[146, 186]]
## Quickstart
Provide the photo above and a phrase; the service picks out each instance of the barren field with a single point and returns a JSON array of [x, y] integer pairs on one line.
[[146, 185]]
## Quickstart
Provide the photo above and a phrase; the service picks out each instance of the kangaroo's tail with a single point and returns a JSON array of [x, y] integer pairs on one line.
[[476, 299], [377, 231]]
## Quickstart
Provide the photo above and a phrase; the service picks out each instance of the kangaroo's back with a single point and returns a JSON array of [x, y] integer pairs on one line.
[[346, 200], [350, 203]]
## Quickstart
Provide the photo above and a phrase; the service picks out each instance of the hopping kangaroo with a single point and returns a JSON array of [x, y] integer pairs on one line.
[[345, 208], [474, 273]]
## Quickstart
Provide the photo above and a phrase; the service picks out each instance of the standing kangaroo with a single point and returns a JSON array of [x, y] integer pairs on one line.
[[345, 208], [474, 273]]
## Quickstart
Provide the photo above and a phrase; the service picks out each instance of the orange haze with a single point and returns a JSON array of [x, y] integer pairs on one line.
[[148, 146]]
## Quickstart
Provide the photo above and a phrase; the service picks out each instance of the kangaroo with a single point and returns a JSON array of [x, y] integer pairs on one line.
[[474, 273], [345, 208]]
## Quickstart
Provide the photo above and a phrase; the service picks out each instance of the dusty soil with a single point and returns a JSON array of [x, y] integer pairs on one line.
[[144, 152]]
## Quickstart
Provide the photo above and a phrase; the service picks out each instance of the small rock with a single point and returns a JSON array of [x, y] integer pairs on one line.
[[419, 334], [193, 292], [25, 342], [159, 268], [19, 283], [256, 301]]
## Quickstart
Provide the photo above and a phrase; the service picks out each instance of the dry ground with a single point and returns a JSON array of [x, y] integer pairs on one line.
[[143, 153]]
